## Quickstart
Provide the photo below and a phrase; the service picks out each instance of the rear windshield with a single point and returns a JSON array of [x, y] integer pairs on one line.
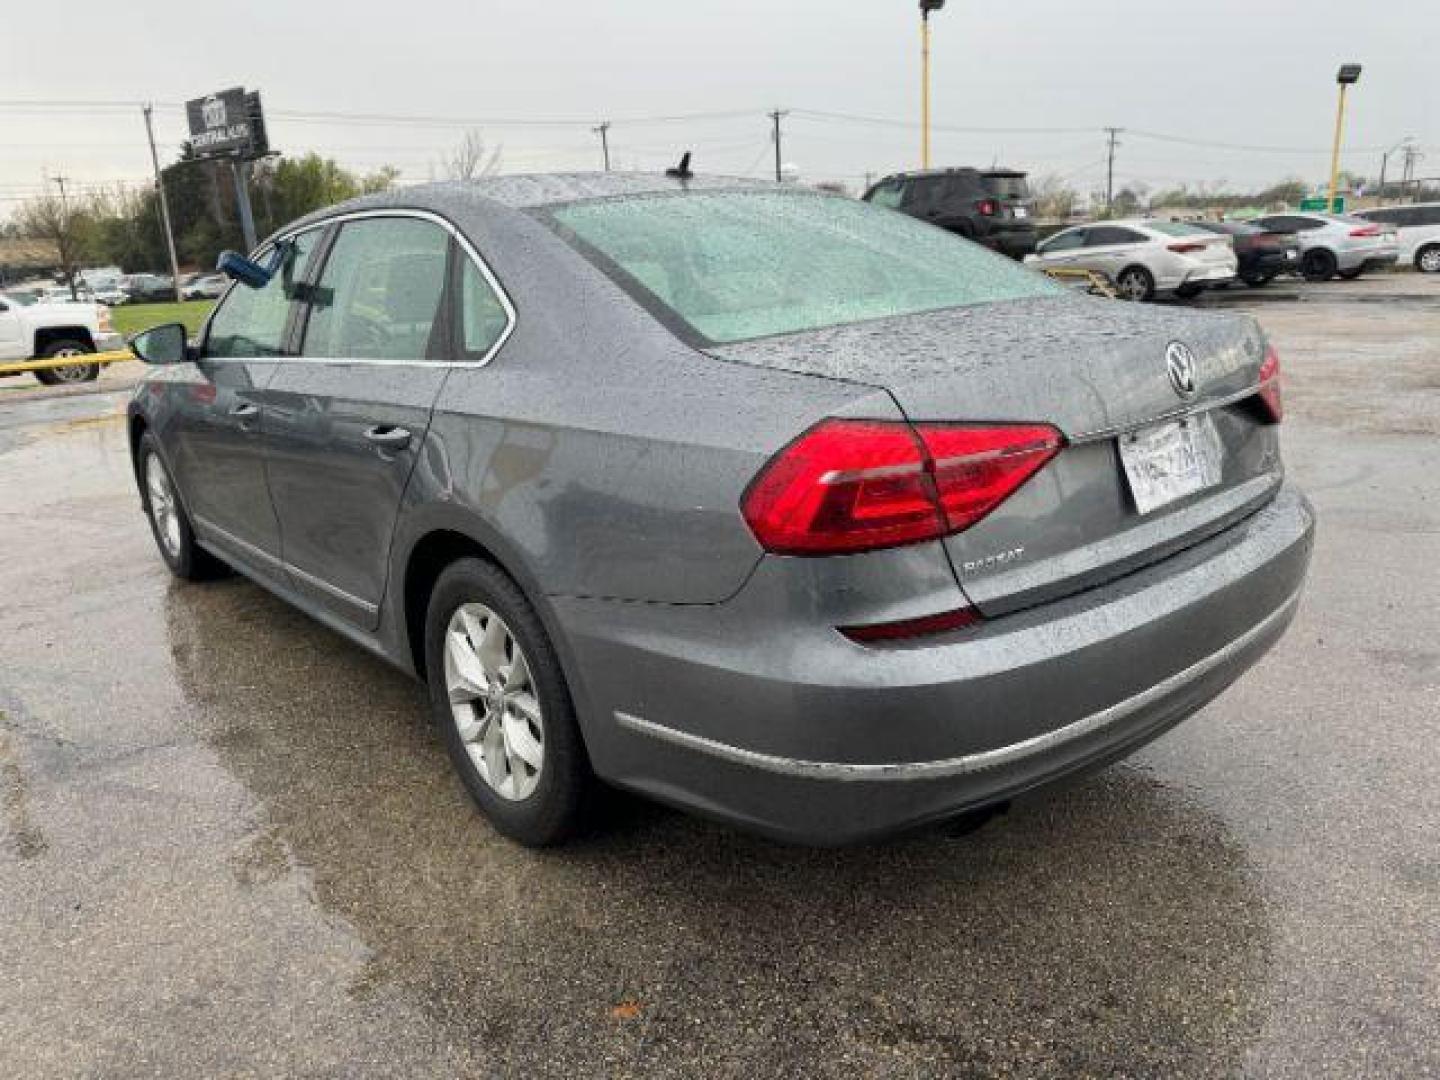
[[23, 299], [731, 266], [1006, 187], [1176, 228]]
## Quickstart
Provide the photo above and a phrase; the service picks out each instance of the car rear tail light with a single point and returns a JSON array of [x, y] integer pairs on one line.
[[103, 319], [942, 623], [1187, 248], [989, 207], [1366, 230], [1270, 387], [857, 485]]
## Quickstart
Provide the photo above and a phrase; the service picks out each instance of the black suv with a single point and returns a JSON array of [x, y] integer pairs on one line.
[[989, 206]]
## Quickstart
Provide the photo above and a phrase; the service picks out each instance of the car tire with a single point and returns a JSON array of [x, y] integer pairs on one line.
[[1257, 281], [71, 374], [169, 522], [1135, 283], [1319, 265], [1351, 275], [1189, 292], [529, 773], [1427, 259]]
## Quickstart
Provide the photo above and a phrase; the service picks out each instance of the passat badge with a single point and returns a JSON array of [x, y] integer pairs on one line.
[[1180, 363]]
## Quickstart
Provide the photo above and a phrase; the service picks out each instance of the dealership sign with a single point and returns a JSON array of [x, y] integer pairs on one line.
[[224, 124]]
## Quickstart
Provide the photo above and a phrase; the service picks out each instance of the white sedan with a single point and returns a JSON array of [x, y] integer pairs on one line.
[[1143, 258]]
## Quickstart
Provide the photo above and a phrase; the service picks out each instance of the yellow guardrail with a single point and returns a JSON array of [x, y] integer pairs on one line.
[[1097, 283], [118, 356]]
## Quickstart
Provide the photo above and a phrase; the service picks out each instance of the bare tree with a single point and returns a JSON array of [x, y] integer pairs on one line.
[[1054, 199], [469, 159], [52, 218]]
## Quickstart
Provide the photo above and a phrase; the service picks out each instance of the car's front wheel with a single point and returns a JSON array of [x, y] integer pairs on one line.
[[1427, 259], [174, 535], [500, 697], [66, 374], [1135, 283]]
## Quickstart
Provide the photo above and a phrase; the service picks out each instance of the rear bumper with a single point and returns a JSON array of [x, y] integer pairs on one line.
[[805, 736]]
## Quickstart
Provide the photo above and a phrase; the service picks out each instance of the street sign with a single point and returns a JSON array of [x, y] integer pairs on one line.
[[1317, 205], [220, 124]]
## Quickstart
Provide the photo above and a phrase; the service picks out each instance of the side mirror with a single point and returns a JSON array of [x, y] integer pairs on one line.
[[162, 345]]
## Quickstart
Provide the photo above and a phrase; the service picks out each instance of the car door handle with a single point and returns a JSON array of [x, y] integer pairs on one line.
[[392, 438]]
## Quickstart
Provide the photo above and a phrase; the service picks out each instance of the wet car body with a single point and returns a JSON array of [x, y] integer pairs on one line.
[[601, 454]]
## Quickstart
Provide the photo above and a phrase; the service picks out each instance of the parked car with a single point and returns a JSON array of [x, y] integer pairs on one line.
[[763, 501], [989, 206], [1417, 232], [62, 294], [1143, 258], [147, 288], [110, 295], [44, 330], [1333, 244], [204, 287], [1262, 256]]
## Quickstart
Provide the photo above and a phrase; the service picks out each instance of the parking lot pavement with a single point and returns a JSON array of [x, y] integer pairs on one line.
[[230, 843]]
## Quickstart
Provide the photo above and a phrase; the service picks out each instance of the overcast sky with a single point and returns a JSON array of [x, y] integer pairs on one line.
[[1253, 73]]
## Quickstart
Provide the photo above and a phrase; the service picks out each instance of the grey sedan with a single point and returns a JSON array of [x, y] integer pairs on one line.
[[777, 506]]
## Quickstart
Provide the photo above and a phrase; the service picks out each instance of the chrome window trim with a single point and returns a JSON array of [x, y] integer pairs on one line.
[[511, 315], [968, 763], [1179, 413]]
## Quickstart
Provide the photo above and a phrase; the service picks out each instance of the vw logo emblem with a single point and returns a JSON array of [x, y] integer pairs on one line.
[[1180, 363]]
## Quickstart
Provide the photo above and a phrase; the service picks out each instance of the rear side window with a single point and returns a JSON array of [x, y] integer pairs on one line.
[[1177, 228], [251, 322], [1102, 235], [380, 292], [1007, 187], [483, 317], [731, 266]]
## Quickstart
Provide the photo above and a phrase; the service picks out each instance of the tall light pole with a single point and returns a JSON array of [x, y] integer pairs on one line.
[[603, 130], [1347, 77], [926, 7]]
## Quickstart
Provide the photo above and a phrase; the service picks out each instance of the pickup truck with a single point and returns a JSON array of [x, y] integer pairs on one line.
[[31, 329]]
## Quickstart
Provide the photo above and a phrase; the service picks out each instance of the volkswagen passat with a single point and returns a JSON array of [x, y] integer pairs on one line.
[[775, 505]]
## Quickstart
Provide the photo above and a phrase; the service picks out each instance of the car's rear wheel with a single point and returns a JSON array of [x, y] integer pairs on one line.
[[500, 697], [1319, 265], [1135, 283], [174, 535], [69, 373], [1427, 259]]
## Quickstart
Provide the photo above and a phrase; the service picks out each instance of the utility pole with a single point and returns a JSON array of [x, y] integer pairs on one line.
[[241, 171], [164, 204], [1113, 133], [603, 130], [926, 7], [775, 117], [65, 256]]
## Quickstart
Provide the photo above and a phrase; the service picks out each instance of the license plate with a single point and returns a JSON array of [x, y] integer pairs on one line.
[[1021, 212], [1169, 461]]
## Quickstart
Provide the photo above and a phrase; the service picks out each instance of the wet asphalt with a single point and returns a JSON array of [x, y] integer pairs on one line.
[[230, 844]]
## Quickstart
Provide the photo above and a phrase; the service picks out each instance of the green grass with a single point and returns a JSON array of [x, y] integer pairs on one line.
[[131, 319]]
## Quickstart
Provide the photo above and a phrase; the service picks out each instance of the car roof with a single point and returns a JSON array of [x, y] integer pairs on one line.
[[951, 170]]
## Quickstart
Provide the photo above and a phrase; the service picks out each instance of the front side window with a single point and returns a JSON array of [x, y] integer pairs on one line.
[[888, 194], [379, 294], [251, 322], [731, 266], [1065, 241]]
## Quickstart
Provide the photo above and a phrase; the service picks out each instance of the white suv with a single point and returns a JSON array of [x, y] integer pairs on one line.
[[1333, 244], [1418, 227]]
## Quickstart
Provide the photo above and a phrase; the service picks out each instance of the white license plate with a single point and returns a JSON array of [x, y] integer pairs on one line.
[[1021, 212], [1169, 461]]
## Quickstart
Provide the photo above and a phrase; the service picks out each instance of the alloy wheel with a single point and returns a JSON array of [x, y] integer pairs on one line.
[[163, 509], [69, 373], [1430, 260], [1132, 286], [493, 701]]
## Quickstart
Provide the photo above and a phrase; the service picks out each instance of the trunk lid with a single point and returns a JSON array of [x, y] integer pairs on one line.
[[1096, 370]]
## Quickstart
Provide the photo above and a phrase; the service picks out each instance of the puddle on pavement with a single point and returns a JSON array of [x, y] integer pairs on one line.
[[1113, 925]]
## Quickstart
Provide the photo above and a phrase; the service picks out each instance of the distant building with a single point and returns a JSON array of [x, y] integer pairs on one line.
[[20, 259]]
